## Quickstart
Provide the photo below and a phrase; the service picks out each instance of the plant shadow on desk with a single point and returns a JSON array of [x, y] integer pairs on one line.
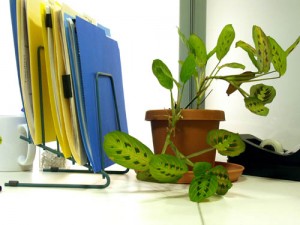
[[169, 163]]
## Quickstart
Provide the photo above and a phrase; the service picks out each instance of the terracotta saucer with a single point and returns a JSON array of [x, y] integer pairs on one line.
[[234, 172]]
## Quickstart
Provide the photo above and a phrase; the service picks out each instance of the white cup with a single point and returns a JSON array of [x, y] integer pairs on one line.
[[15, 154]]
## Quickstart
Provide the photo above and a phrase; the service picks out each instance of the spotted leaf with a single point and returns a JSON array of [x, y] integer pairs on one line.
[[167, 168], [250, 50], [263, 92], [226, 142], [202, 187], [162, 73], [256, 106], [201, 168], [224, 183], [127, 151], [145, 176], [279, 57], [263, 50], [198, 49], [225, 40]]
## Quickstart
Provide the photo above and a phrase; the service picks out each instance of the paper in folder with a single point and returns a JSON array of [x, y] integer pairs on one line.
[[99, 53], [28, 24], [53, 76], [67, 95]]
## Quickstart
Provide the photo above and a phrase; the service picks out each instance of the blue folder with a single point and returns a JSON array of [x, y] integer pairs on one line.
[[104, 112]]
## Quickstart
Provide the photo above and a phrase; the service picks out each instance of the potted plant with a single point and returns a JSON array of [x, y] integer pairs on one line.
[[170, 163]]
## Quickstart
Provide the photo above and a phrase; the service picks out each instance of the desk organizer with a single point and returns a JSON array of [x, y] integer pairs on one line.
[[89, 169]]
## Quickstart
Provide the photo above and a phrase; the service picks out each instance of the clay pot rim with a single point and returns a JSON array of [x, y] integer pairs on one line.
[[187, 114]]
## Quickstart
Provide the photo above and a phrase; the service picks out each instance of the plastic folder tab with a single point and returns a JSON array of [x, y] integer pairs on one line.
[[99, 53]]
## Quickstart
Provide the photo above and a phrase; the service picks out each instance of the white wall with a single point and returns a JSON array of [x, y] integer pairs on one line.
[[145, 30], [281, 20], [10, 100]]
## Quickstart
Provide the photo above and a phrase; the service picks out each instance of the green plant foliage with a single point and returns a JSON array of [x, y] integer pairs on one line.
[[127, 151], [263, 50], [226, 142], [224, 183], [203, 187], [225, 40], [208, 181], [162, 73], [256, 106], [198, 49], [279, 57], [145, 176], [263, 92], [188, 68], [201, 168], [235, 81], [233, 65], [183, 39], [0, 140], [293, 46], [167, 168], [250, 50]]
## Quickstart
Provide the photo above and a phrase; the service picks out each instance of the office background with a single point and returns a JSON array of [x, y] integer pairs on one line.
[[147, 30]]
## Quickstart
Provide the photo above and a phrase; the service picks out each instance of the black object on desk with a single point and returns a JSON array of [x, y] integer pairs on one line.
[[265, 162]]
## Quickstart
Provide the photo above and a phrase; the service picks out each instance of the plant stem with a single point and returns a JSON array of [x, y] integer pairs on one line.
[[180, 155], [199, 153], [167, 142]]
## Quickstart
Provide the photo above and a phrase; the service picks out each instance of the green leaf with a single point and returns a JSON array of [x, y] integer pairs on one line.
[[162, 73], [245, 76], [293, 46], [278, 57], [183, 39], [201, 168], [127, 151], [198, 49], [167, 168], [225, 40], [233, 65], [188, 68], [203, 187], [250, 50], [263, 50], [245, 46], [263, 92], [226, 142], [211, 53], [256, 106], [145, 176], [224, 183]]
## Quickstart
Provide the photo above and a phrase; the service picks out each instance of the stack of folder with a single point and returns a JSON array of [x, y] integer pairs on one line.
[[70, 79]]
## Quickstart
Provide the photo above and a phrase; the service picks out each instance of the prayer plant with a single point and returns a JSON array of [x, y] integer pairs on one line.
[[270, 61]]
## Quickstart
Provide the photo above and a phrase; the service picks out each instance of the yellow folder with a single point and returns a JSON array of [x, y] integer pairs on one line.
[[54, 84], [30, 42]]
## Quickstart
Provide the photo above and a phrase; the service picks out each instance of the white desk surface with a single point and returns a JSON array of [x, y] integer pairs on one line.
[[251, 201]]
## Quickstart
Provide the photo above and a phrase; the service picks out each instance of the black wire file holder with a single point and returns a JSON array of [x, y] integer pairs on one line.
[[89, 169]]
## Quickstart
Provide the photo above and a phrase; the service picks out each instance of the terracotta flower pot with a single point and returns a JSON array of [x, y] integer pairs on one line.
[[190, 133]]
